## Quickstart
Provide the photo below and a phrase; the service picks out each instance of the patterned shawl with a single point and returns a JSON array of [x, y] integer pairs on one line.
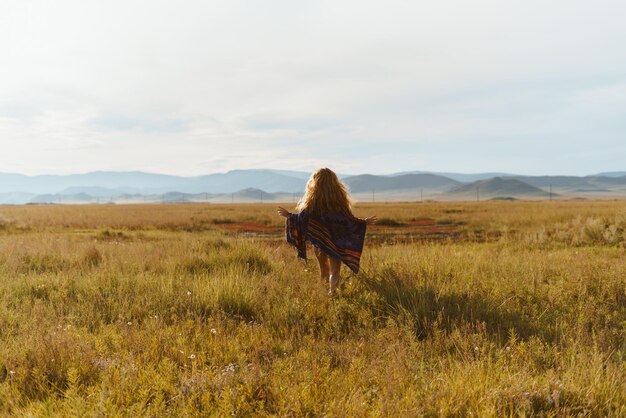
[[339, 236]]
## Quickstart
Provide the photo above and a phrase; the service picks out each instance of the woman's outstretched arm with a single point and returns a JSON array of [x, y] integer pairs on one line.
[[282, 212], [371, 220]]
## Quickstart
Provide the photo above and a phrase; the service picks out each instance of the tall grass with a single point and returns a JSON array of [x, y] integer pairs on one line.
[[159, 311]]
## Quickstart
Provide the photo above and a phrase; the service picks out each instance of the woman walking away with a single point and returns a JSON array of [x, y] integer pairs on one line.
[[324, 218]]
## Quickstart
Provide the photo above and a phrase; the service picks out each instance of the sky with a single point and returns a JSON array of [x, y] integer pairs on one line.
[[197, 87]]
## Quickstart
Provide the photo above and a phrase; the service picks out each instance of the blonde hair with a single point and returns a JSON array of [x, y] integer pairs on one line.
[[325, 193]]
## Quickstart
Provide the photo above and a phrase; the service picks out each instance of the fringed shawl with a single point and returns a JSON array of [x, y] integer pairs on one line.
[[339, 236]]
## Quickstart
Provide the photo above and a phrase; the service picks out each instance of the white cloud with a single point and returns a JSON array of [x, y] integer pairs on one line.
[[186, 87]]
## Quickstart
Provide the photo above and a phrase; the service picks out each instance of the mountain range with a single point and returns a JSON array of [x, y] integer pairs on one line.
[[281, 185]]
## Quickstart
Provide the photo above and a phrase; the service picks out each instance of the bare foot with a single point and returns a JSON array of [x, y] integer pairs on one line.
[[333, 281]]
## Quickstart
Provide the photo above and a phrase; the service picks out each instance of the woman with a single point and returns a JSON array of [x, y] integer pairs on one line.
[[324, 218]]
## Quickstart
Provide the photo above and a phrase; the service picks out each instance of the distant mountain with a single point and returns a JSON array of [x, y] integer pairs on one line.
[[302, 175], [253, 194], [572, 183], [463, 178], [99, 191], [498, 186], [248, 195], [612, 174], [50, 184], [15, 198], [608, 180], [146, 183], [56, 198], [287, 186], [240, 179], [555, 181], [369, 182]]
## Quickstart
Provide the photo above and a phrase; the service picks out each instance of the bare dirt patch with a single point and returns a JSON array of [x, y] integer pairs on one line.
[[251, 228], [422, 229]]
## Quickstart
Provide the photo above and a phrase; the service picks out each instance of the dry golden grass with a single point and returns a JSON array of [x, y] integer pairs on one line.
[[494, 308]]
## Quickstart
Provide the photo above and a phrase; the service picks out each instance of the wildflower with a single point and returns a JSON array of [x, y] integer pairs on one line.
[[189, 293], [228, 369], [213, 331], [192, 356], [129, 323]]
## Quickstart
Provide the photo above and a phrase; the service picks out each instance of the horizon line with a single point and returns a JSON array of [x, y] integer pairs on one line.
[[404, 172]]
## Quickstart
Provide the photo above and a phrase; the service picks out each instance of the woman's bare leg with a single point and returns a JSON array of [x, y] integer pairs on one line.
[[335, 274], [322, 258]]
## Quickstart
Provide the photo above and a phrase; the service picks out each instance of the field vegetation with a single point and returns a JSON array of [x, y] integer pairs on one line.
[[482, 309]]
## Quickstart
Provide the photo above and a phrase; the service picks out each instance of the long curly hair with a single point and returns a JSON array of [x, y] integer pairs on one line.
[[325, 193]]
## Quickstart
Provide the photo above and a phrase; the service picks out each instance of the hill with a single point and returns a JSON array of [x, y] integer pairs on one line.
[[497, 186], [460, 177], [368, 182], [113, 183], [236, 180], [612, 174], [15, 198], [284, 185], [573, 183]]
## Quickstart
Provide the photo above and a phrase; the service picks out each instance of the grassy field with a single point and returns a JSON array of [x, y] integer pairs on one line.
[[482, 309]]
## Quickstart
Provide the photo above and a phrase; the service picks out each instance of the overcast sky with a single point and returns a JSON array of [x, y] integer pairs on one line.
[[195, 87]]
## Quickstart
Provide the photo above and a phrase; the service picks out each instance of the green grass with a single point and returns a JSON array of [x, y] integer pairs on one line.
[[146, 311]]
